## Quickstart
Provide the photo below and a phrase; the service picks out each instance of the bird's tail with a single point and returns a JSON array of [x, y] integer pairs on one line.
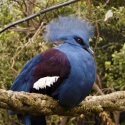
[[38, 120], [32, 120]]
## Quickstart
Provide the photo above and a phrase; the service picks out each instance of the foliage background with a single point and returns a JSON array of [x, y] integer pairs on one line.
[[22, 42]]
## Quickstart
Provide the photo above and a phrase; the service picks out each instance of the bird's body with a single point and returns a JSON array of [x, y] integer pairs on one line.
[[66, 72]]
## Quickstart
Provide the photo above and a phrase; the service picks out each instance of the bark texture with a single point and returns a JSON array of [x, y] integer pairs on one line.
[[31, 103]]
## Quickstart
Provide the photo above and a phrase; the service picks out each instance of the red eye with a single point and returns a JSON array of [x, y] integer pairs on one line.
[[79, 40]]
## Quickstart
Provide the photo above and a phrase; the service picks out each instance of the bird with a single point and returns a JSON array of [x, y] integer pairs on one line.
[[66, 72]]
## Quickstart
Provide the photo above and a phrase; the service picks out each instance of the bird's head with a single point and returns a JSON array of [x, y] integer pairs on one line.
[[72, 30]]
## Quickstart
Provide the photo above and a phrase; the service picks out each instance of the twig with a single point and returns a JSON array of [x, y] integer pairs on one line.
[[106, 3], [37, 14], [106, 46], [97, 36]]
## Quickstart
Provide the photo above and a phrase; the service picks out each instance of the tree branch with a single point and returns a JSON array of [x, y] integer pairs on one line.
[[37, 14], [39, 104]]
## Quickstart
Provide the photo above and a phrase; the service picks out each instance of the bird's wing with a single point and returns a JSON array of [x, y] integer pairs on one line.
[[42, 71]]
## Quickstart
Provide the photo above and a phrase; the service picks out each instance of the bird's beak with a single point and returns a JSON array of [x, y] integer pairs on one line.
[[90, 50]]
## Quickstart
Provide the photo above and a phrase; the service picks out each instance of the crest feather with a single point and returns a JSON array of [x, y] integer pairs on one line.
[[70, 26]]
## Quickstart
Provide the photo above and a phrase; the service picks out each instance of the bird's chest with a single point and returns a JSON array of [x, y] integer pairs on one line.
[[81, 78], [79, 59], [82, 65]]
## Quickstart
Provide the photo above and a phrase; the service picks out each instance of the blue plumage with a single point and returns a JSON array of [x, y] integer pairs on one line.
[[66, 72], [23, 81], [81, 77], [66, 27]]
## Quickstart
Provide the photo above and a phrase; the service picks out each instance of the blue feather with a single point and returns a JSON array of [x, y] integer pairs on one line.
[[81, 78], [70, 26], [32, 120], [26, 119], [23, 81]]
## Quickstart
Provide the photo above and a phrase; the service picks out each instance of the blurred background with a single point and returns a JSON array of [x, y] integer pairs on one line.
[[20, 43]]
